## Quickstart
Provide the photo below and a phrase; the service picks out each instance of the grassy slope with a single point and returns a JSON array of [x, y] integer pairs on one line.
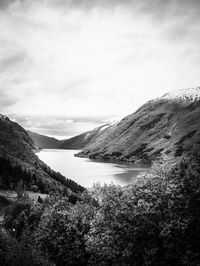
[[80, 141], [157, 128]]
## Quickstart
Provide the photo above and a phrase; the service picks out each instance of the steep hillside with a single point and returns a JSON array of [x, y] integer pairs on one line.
[[80, 141], [44, 142], [14, 141], [18, 162], [168, 126]]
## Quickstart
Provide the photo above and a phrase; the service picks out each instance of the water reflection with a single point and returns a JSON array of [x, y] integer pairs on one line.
[[87, 171]]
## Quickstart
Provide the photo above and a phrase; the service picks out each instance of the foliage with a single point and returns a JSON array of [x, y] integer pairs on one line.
[[21, 252], [61, 232], [15, 217], [154, 222], [16, 175]]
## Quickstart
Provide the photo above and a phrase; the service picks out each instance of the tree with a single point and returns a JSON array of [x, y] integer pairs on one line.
[[61, 235]]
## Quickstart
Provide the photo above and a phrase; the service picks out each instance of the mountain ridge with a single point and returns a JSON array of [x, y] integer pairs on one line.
[[167, 126], [80, 141], [18, 161], [185, 95], [44, 142]]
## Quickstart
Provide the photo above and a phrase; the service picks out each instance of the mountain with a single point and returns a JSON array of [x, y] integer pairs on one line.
[[15, 142], [164, 127], [77, 142], [19, 163], [44, 142], [82, 140]]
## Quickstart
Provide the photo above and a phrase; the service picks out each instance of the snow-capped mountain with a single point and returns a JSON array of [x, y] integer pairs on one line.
[[80, 141], [185, 95], [165, 127]]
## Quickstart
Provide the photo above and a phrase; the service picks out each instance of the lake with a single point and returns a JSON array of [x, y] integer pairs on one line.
[[86, 171]]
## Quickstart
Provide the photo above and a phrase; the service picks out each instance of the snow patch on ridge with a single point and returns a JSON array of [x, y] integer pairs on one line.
[[87, 136], [185, 95], [104, 127]]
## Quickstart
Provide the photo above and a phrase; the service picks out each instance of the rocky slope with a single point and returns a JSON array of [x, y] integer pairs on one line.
[[18, 162], [44, 142], [164, 127]]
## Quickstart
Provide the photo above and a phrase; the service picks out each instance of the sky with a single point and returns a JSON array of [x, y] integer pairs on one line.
[[68, 66]]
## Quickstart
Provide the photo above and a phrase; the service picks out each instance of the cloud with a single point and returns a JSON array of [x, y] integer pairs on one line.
[[11, 61], [5, 3], [177, 15], [79, 63], [154, 7], [6, 100], [58, 126]]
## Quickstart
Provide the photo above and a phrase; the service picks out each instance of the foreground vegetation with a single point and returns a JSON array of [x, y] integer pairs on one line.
[[153, 222]]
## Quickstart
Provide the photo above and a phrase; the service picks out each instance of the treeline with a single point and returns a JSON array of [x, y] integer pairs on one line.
[[155, 222], [76, 188], [33, 178], [11, 173]]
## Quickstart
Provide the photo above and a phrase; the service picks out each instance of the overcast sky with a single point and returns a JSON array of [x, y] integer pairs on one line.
[[67, 66]]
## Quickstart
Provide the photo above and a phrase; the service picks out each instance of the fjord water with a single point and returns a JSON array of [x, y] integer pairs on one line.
[[86, 171]]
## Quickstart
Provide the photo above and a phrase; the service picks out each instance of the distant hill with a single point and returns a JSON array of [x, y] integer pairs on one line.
[[18, 162], [75, 143], [82, 140], [164, 127], [44, 142]]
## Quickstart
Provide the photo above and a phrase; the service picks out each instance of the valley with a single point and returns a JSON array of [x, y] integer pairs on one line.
[[164, 128]]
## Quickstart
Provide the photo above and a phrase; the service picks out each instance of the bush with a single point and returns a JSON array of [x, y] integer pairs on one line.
[[16, 215], [21, 252]]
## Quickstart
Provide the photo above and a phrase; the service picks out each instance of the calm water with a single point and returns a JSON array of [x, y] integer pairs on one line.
[[86, 171]]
